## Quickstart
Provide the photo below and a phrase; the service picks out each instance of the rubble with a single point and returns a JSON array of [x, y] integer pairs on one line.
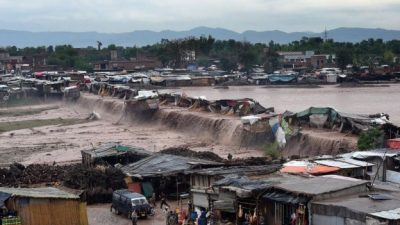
[[93, 116], [184, 151], [208, 155], [98, 183]]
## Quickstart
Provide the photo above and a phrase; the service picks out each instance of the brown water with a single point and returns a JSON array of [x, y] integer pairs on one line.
[[365, 100]]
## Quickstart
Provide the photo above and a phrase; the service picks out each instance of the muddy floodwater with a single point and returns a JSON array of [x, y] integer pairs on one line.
[[368, 100]]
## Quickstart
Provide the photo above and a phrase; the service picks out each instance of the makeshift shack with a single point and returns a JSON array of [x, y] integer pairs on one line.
[[178, 81], [238, 194], [326, 117], [239, 107], [203, 81], [113, 153], [344, 166], [361, 208], [164, 173], [202, 180], [71, 93], [44, 206], [295, 196], [384, 159]]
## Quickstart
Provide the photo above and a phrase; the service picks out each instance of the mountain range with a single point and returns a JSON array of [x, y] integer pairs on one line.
[[146, 37]]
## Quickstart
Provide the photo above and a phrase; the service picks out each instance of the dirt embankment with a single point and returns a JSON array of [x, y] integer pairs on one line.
[[319, 142], [223, 129], [227, 130]]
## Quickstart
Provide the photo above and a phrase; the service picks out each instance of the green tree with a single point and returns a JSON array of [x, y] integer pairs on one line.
[[370, 139], [343, 58], [388, 57], [112, 47]]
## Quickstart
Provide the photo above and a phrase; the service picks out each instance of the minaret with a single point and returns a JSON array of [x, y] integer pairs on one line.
[[325, 34]]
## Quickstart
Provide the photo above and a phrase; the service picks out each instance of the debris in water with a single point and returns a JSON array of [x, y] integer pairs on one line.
[[93, 116]]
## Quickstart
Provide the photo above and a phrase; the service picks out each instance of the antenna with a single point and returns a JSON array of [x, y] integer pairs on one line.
[[325, 34]]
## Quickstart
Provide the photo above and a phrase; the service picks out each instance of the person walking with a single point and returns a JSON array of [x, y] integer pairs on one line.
[[153, 200], [163, 200]]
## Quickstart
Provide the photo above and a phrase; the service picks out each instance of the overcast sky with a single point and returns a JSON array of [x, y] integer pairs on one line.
[[238, 15]]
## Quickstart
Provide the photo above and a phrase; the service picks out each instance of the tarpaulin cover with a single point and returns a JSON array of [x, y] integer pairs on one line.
[[318, 169], [393, 143], [148, 189], [122, 148], [135, 187], [285, 198], [282, 78], [316, 110], [3, 198]]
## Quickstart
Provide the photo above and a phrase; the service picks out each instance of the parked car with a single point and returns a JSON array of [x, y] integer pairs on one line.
[[125, 202], [4, 93]]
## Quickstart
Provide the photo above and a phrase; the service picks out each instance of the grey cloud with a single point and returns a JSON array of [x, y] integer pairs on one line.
[[240, 15]]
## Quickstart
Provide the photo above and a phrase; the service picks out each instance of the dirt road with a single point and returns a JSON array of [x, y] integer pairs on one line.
[[100, 215]]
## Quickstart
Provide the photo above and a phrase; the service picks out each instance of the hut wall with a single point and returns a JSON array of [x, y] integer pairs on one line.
[[202, 82], [35, 211]]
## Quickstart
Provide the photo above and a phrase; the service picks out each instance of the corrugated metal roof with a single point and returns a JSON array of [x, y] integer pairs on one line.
[[375, 153], [240, 170], [319, 185], [393, 214], [338, 164], [46, 192], [355, 162], [164, 165]]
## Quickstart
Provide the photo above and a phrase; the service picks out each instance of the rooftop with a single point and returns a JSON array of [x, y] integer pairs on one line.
[[110, 149], [46, 192], [361, 205], [318, 185], [165, 165], [238, 170]]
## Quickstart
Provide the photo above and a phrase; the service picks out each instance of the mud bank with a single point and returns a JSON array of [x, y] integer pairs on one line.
[[222, 129], [213, 128], [319, 142]]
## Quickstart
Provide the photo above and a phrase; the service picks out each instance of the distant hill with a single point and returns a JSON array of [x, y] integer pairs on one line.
[[145, 37]]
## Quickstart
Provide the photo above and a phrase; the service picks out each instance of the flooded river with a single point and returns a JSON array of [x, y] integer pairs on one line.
[[366, 100]]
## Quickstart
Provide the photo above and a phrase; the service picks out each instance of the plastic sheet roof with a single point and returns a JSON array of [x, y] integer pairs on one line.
[[319, 185], [46, 192], [110, 149], [315, 169], [393, 214]]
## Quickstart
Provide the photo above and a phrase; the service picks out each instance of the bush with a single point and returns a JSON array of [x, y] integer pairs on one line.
[[370, 139], [272, 150]]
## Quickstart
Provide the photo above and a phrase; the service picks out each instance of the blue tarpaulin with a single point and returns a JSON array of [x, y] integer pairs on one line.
[[3, 198]]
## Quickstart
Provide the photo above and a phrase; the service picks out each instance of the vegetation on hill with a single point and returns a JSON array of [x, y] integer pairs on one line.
[[229, 53]]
